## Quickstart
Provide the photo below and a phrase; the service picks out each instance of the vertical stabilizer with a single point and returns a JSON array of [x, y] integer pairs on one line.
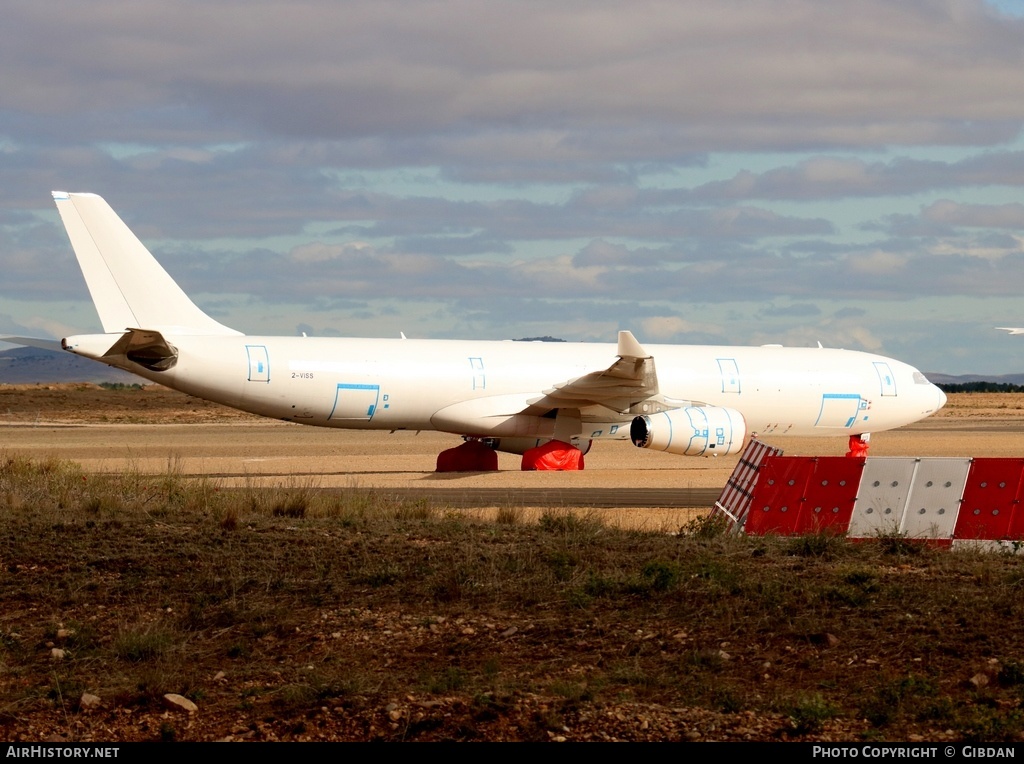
[[128, 286]]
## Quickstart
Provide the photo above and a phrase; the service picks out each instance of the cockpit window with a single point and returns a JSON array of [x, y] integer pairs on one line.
[[920, 379]]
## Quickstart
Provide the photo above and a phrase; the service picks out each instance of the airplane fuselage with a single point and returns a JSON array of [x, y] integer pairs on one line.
[[482, 387]]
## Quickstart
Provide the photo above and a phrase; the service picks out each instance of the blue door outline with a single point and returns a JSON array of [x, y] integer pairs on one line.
[[886, 378], [839, 410], [730, 372], [353, 401], [259, 363]]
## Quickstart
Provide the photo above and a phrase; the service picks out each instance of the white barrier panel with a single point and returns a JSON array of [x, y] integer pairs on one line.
[[916, 498], [882, 497], [935, 498]]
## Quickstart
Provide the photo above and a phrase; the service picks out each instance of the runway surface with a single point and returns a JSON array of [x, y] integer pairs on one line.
[[267, 453]]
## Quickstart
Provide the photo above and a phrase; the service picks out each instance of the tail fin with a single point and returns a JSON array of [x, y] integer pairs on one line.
[[128, 286]]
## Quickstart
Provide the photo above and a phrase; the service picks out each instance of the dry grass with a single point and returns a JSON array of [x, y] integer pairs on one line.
[[983, 405], [289, 613]]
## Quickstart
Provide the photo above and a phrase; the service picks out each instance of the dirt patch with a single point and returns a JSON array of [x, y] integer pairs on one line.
[[288, 615]]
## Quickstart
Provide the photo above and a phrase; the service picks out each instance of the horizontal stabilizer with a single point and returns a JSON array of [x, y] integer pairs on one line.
[[33, 342]]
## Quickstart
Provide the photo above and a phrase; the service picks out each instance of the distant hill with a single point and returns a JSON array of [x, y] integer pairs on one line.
[[950, 379], [26, 366]]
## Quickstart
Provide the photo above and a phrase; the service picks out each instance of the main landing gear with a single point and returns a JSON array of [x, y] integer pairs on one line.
[[859, 445], [471, 456], [553, 455]]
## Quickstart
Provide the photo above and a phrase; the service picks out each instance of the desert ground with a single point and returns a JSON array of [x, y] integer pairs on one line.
[[153, 430], [298, 584]]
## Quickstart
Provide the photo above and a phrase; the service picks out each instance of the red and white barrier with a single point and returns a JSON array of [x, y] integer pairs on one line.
[[940, 500]]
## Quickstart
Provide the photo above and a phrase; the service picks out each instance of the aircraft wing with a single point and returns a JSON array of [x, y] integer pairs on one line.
[[629, 380]]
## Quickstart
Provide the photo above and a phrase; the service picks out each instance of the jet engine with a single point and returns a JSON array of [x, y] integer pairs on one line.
[[691, 431]]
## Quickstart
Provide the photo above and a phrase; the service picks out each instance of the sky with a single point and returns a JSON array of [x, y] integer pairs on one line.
[[740, 172]]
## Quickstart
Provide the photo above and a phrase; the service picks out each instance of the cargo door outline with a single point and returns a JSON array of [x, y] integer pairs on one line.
[[839, 410], [353, 402], [885, 378], [259, 363], [730, 372]]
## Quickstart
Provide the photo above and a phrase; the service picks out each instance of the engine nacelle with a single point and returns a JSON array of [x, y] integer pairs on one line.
[[691, 431]]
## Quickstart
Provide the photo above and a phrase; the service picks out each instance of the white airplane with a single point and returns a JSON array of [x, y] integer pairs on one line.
[[1011, 329], [511, 396]]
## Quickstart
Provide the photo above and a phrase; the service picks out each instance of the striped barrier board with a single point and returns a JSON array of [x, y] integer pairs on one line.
[[734, 501]]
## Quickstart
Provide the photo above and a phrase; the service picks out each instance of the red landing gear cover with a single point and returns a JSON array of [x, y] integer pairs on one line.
[[471, 456], [553, 455]]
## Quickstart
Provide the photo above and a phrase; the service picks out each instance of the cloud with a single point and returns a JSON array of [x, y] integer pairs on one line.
[[460, 166], [844, 313], [665, 328], [318, 252], [948, 212], [796, 310], [844, 177], [602, 253], [572, 76]]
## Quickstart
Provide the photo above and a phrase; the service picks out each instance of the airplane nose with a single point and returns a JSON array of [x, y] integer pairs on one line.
[[927, 394]]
